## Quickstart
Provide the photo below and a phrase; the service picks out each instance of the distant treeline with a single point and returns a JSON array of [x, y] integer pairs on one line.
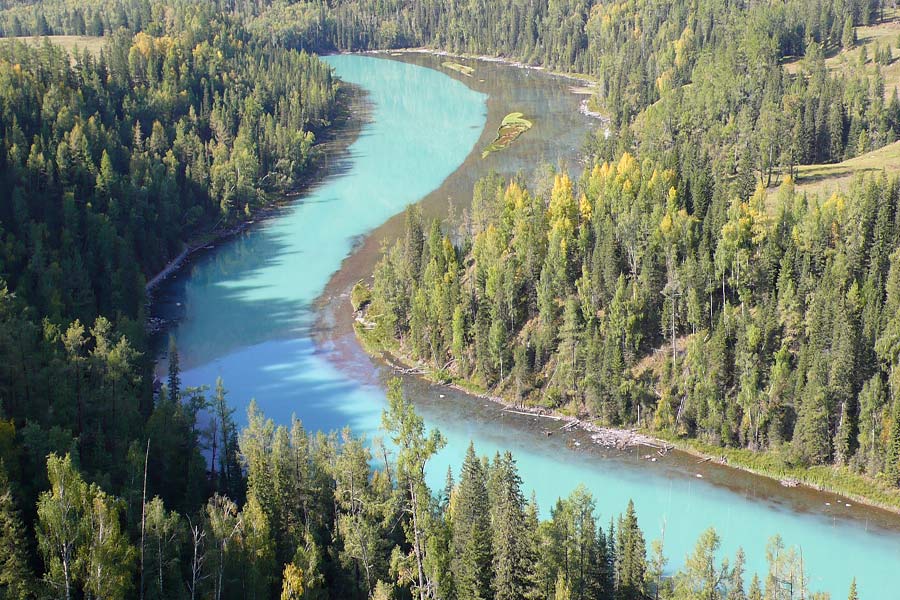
[[700, 82]]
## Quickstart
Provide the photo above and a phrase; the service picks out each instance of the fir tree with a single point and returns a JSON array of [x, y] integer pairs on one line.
[[471, 546], [631, 556], [16, 578], [513, 566]]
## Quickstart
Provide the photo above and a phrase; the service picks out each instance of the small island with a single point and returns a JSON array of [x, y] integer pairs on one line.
[[514, 124], [454, 66]]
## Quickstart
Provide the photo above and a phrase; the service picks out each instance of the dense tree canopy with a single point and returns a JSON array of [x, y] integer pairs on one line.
[[767, 322], [110, 162], [667, 287], [319, 521]]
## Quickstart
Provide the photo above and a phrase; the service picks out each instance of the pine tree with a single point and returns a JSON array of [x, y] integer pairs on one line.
[[755, 592], [631, 556], [229, 480], [811, 438], [513, 565], [257, 550], [848, 34], [892, 459], [16, 578], [852, 595], [562, 591], [700, 577], [174, 383], [736, 578], [471, 545], [843, 438]]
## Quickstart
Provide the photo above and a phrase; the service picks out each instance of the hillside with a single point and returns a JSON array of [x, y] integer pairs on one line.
[[827, 178], [883, 35], [69, 43]]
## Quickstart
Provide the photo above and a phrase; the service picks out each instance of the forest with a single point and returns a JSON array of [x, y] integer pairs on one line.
[[110, 163], [769, 323], [681, 284], [675, 285], [315, 519]]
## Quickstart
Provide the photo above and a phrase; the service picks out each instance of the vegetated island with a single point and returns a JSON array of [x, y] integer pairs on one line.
[[459, 68], [513, 125]]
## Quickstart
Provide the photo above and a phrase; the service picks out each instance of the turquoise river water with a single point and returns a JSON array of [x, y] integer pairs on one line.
[[246, 312]]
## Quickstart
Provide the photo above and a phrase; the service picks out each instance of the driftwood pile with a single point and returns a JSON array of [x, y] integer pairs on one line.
[[624, 438]]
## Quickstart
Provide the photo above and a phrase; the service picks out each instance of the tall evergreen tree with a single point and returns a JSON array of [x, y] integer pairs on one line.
[[16, 578], [174, 381], [513, 560], [472, 552], [631, 557]]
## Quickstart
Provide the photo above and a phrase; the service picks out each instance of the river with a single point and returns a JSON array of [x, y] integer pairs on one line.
[[267, 311]]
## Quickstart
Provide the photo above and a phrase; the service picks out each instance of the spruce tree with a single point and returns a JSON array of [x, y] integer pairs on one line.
[[16, 578], [471, 542], [513, 565], [631, 555]]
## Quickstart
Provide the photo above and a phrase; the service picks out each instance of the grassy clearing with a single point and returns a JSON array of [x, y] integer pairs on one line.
[[824, 179], [459, 68], [513, 125], [885, 33], [68, 42]]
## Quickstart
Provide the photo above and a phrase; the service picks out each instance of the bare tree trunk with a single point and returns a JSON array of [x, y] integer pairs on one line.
[[197, 559], [416, 542], [144, 515], [67, 577]]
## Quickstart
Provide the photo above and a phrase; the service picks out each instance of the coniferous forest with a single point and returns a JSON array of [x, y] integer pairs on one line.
[[681, 284]]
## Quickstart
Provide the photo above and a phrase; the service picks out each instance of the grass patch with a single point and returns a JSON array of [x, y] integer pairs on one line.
[[824, 179], [360, 296], [68, 43], [459, 68], [885, 33], [513, 125]]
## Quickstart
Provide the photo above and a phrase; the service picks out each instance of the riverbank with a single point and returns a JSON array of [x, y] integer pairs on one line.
[[832, 479], [337, 137]]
